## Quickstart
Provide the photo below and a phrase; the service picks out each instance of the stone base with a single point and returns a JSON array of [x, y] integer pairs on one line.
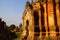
[[43, 38]]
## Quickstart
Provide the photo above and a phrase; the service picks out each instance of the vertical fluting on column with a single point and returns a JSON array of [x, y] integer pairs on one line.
[[57, 12], [43, 21], [51, 18], [40, 22], [58, 18], [55, 18], [47, 18]]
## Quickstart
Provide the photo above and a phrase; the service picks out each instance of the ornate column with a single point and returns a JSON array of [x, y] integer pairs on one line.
[[51, 18]]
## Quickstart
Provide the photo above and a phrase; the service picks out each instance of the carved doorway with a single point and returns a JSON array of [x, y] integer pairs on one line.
[[36, 25]]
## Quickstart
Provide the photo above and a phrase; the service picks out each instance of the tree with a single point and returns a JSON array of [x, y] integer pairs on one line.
[[12, 34], [12, 27], [20, 26]]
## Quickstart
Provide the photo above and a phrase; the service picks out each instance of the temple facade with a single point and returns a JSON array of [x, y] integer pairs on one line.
[[41, 19]]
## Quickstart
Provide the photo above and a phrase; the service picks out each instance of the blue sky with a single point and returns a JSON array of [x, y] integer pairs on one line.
[[11, 11]]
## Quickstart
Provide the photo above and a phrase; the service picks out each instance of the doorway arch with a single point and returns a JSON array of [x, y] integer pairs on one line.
[[36, 25], [36, 22], [27, 31]]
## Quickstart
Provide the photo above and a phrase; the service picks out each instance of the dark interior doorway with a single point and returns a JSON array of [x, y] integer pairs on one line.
[[36, 22], [36, 25]]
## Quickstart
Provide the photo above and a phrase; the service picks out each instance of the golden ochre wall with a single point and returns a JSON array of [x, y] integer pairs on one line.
[[41, 19]]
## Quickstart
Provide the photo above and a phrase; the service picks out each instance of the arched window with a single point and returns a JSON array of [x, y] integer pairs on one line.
[[27, 23], [27, 30], [36, 18], [36, 22], [36, 25]]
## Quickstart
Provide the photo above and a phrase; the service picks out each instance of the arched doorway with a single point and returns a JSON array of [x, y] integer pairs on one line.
[[36, 25], [27, 31], [36, 22]]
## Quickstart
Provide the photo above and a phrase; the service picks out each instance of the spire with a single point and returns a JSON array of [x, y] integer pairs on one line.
[[27, 3]]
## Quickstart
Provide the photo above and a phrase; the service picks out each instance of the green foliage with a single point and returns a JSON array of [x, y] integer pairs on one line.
[[12, 27], [5, 32], [20, 25], [18, 35]]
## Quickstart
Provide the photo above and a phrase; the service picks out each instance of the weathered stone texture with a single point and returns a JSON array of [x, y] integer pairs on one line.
[[41, 19]]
